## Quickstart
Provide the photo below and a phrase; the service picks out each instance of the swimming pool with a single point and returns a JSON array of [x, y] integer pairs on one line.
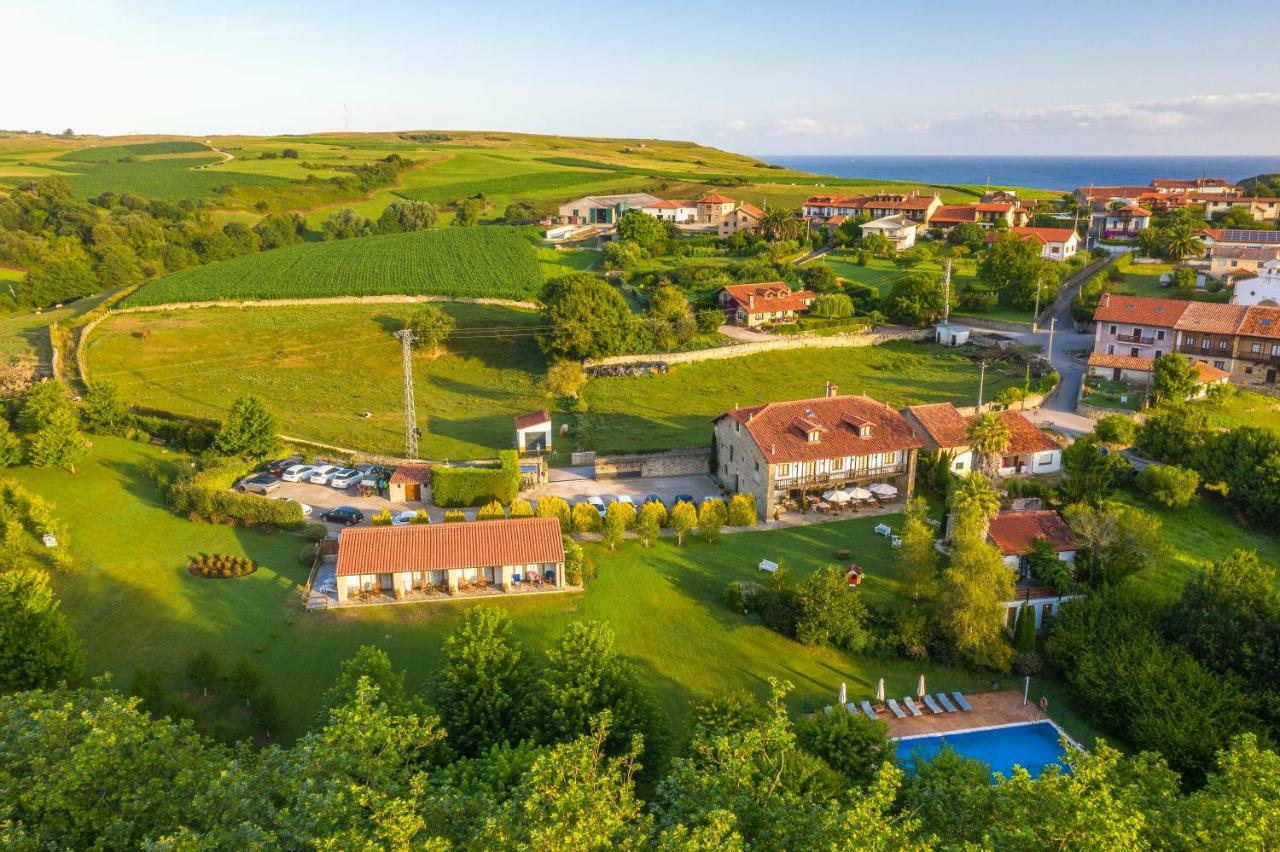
[[1032, 746]]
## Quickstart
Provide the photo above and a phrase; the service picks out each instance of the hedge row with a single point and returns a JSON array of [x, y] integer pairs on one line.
[[475, 486], [207, 494]]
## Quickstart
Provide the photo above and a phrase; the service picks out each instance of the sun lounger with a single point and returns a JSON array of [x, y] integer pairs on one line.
[[931, 704], [884, 530], [946, 702], [852, 708], [869, 710], [911, 705], [964, 705], [897, 711]]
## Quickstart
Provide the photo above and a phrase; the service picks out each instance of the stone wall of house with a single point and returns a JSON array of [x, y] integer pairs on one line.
[[739, 466], [687, 461], [738, 350]]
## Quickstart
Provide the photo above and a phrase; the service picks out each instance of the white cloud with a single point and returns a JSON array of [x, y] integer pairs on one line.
[[805, 126], [736, 126], [1230, 113]]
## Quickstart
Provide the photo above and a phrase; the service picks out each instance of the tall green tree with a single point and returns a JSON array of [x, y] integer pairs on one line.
[[482, 691], [829, 613], [38, 649], [1174, 379], [975, 586], [103, 411], [11, 449], [973, 499], [248, 430], [588, 318], [917, 560], [431, 326], [915, 299], [42, 401], [59, 443], [988, 439], [1089, 471], [1116, 540], [400, 217]]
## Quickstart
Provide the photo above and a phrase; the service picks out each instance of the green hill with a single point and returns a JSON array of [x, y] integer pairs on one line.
[[493, 262]]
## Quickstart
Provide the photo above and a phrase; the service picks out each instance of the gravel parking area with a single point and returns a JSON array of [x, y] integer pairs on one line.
[[576, 483]]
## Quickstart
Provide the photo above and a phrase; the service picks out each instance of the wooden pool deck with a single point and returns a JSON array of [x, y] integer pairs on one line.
[[989, 709]]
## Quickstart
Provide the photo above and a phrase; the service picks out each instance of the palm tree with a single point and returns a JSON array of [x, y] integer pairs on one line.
[[1180, 241], [988, 439], [972, 501], [779, 224]]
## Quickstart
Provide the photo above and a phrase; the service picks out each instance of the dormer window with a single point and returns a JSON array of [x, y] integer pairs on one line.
[[864, 431], [814, 435]]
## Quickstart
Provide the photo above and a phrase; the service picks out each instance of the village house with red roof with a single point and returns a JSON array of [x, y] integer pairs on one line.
[[768, 303], [1055, 243], [1030, 451], [785, 451], [382, 564]]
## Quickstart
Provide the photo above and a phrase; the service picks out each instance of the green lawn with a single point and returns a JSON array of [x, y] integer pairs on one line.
[[1243, 408], [882, 274], [1203, 532], [319, 368], [1105, 393], [1143, 279], [138, 607], [25, 336], [556, 262]]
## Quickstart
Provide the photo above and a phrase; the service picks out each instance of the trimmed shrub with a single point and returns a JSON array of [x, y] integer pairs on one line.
[[586, 518], [712, 515], [454, 516], [555, 507], [381, 519], [521, 509], [206, 494], [733, 596], [1024, 633], [421, 517], [742, 511], [491, 511], [573, 562], [1116, 430], [475, 486]]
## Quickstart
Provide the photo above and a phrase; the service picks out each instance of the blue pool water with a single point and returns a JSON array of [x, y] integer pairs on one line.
[[1033, 747]]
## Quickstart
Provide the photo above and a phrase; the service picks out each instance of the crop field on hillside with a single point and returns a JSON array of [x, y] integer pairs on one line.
[[492, 262], [111, 153]]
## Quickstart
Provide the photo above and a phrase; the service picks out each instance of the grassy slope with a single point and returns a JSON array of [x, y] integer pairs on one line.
[[1143, 279], [490, 262], [318, 368], [141, 608], [1244, 408]]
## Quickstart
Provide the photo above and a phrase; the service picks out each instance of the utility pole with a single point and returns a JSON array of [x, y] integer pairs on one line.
[[946, 293], [410, 414], [1049, 354], [982, 380], [1035, 317]]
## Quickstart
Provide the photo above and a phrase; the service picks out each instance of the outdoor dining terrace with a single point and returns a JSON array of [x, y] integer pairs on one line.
[[877, 498], [530, 583]]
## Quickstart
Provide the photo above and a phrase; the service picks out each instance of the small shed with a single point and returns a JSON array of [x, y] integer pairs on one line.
[[406, 484], [533, 432], [951, 334]]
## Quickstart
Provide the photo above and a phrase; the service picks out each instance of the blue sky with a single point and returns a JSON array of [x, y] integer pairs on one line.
[[764, 78]]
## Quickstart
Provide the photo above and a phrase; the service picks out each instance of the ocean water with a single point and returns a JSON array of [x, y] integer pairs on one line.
[[1064, 173]]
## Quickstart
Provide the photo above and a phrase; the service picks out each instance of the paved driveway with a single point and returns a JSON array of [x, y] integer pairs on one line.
[[574, 484]]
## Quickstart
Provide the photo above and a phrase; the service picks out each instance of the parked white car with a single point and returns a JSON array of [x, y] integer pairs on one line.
[[297, 473], [322, 474], [345, 477], [306, 510], [400, 519], [597, 503], [626, 498]]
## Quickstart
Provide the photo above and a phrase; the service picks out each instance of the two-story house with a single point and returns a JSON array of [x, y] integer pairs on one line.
[[768, 303], [786, 450], [1258, 348], [1122, 222], [1136, 327], [1262, 289], [744, 217], [1030, 451], [918, 208], [1055, 243], [1207, 333], [714, 207], [898, 229]]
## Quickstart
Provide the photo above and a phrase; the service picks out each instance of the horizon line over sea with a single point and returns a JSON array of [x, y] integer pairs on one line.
[[1034, 171]]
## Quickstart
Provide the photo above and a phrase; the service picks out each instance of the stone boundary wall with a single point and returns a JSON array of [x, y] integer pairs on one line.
[[739, 350], [687, 461], [984, 324]]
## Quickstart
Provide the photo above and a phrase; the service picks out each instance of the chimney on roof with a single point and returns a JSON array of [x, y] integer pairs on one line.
[[773, 448], [751, 301], [831, 388]]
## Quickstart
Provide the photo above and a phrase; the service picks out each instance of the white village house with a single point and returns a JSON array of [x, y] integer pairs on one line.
[[899, 230], [1030, 452], [1055, 243], [533, 432], [1014, 534]]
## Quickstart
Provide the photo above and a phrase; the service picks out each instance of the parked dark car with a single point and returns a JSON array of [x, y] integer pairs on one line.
[[279, 466], [654, 498], [684, 498], [348, 515]]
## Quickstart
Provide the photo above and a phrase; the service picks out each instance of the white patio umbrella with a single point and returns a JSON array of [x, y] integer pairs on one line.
[[859, 493], [880, 692], [836, 496], [884, 489], [844, 694], [920, 687]]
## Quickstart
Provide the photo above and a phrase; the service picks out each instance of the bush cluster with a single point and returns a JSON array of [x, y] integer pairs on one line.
[[205, 494], [217, 565]]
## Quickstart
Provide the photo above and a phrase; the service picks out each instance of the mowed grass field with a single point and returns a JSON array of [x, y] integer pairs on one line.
[[132, 595], [320, 367], [882, 274], [491, 262]]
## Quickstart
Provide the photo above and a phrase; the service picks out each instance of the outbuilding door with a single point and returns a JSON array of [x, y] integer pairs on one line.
[[412, 492]]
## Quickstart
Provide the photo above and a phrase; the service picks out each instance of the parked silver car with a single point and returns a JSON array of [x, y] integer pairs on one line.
[[298, 473], [345, 477], [322, 474], [261, 483]]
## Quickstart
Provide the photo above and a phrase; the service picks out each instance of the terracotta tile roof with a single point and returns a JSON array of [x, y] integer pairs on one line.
[[1092, 192], [942, 423], [1131, 209], [1183, 183], [1261, 321], [910, 202], [836, 219], [409, 473], [835, 200], [1013, 532], [714, 198], [1245, 252], [533, 418], [671, 204], [770, 296], [435, 547], [993, 207], [1206, 373], [1124, 362], [1024, 436], [955, 213], [1114, 307], [774, 429], [884, 201], [1211, 318], [1044, 235], [751, 210]]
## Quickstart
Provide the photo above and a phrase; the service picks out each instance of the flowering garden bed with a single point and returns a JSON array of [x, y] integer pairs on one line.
[[216, 566]]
